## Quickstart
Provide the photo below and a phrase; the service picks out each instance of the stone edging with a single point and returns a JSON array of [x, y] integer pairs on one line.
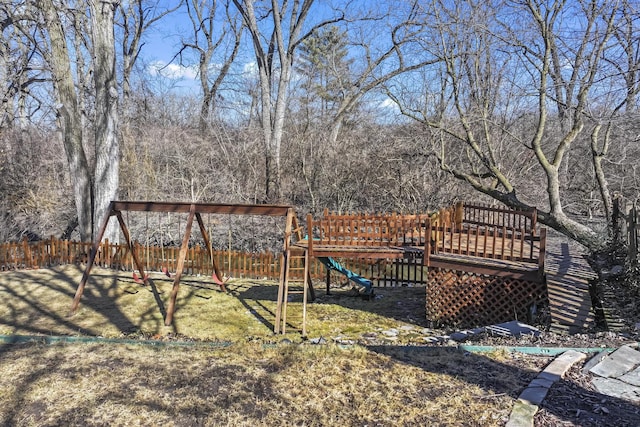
[[531, 397]]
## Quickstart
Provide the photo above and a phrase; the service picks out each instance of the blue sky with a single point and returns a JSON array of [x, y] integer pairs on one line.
[[163, 41]]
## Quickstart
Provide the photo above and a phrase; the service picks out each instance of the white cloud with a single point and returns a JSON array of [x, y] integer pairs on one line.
[[388, 103], [250, 68], [172, 71]]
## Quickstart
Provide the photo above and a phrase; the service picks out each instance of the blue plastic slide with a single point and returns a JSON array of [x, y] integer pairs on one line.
[[334, 265]]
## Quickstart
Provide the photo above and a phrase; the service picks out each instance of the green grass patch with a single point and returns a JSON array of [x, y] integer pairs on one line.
[[113, 305]]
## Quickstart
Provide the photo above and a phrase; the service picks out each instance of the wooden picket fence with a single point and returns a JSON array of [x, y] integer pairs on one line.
[[264, 265], [53, 252], [626, 227]]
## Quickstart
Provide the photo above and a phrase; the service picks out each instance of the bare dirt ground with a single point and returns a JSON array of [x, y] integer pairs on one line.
[[370, 364], [573, 401]]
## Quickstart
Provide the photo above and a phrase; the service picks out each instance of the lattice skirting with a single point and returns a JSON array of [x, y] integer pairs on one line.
[[462, 299]]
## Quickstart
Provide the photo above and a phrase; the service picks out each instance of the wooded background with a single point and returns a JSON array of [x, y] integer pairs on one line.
[[397, 105]]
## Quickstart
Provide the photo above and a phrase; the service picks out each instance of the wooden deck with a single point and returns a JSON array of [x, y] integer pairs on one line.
[[513, 250], [487, 266], [351, 251], [568, 277]]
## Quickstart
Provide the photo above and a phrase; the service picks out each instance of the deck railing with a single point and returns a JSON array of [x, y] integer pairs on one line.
[[501, 243], [390, 229], [472, 230], [485, 215]]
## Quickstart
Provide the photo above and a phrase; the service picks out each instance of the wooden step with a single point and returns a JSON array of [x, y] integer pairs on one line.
[[568, 276]]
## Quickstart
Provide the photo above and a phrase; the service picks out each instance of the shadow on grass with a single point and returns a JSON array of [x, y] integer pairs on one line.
[[14, 416], [30, 312], [405, 304], [252, 296], [64, 284], [108, 291], [123, 388]]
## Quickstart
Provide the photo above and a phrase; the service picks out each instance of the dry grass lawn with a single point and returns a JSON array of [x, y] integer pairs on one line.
[[250, 382]]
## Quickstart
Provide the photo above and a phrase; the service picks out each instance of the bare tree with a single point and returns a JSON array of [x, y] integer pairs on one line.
[[93, 187], [627, 35], [70, 116], [552, 66], [216, 31], [276, 32], [20, 72], [107, 149], [623, 58], [135, 18], [383, 55]]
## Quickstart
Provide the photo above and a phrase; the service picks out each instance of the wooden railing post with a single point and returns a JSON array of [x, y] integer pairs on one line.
[[427, 245], [542, 252], [310, 234], [459, 214]]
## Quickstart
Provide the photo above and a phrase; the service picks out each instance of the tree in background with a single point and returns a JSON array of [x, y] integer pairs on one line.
[[517, 92], [19, 73], [216, 36], [135, 18], [325, 68], [93, 187], [276, 32], [107, 148], [59, 57]]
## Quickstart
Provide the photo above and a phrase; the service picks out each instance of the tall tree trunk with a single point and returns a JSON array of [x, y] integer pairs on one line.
[[70, 117], [106, 120], [275, 59], [597, 155]]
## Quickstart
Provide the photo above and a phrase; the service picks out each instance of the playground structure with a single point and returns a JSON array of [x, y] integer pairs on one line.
[[484, 264], [194, 211], [481, 264]]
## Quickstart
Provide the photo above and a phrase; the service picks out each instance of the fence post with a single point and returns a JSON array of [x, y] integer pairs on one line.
[[633, 235], [26, 253], [615, 219]]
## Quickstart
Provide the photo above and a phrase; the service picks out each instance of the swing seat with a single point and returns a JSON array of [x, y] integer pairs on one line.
[[166, 272], [138, 280], [219, 282]]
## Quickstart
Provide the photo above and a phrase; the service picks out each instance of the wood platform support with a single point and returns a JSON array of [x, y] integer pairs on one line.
[[283, 288]]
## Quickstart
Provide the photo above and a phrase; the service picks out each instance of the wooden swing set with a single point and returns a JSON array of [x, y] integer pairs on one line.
[[195, 211]]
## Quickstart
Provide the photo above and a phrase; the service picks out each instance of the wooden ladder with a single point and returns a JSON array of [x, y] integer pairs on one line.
[[288, 259]]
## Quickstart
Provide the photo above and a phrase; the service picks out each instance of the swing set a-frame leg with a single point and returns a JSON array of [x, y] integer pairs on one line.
[[90, 261], [181, 257], [94, 252]]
